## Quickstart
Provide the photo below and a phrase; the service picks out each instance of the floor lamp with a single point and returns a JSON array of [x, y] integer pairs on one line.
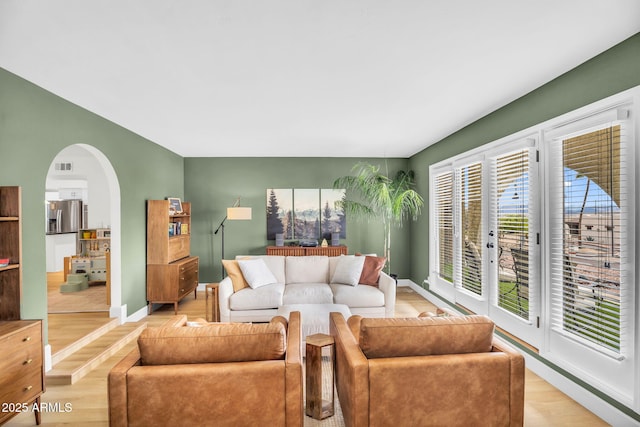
[[234, 213]]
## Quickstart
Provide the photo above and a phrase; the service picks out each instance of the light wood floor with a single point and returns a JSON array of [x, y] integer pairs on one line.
[[544, 405]]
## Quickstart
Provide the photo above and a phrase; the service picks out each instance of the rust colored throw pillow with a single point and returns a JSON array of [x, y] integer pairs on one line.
[[371, 270], [237, 278]]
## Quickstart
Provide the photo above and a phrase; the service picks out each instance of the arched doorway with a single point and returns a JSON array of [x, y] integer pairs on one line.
[[82, 171]]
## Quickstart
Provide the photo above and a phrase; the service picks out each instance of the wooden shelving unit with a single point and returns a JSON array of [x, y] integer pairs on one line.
[[172, 273], [22, 363], [11, 248], [94, 242]]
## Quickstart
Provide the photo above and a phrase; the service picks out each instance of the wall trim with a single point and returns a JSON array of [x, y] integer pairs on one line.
[[138, 315], [48, 361]]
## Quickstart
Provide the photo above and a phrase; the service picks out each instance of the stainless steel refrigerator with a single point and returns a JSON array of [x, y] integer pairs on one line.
[[64, 216]]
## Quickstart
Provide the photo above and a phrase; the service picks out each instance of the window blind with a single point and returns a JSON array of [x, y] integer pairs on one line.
[[469, 253], [444, 215], [589, 220], [511, 207]]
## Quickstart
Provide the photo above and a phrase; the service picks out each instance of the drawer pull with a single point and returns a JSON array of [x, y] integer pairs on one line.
[[25, 339], [28, 388], [27, 362]]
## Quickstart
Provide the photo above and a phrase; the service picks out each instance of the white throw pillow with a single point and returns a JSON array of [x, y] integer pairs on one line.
[[348, 270], [256, 272]]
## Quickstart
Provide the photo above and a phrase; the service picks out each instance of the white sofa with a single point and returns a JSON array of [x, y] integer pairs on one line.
[[303, 280]]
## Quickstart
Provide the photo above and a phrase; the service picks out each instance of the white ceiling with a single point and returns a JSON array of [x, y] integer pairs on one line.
[[289, 78]]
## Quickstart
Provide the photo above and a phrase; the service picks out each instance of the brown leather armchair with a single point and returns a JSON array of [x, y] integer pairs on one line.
[[430, 371], [215, 374]]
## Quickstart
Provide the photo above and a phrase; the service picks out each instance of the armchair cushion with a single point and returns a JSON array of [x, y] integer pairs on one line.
[[391, 337], [213, 343]]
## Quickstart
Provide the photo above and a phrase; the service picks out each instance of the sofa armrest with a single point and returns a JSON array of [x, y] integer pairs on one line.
[[387, 285], [293, 370], [117, 388], [225, 290], [517, 379], [352, 373]]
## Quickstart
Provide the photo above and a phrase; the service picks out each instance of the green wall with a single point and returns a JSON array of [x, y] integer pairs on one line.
[[611, 72], [34, 126], [213, 184]]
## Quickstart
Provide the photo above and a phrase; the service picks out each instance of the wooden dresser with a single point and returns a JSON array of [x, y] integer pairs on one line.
[[171, 282], [21, 367]]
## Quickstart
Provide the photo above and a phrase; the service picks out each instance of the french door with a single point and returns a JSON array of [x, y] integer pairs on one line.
[[514, 240], [555, 268], [487, 235]]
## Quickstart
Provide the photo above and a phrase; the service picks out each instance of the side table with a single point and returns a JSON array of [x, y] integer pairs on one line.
[[319, 405], [213, 310]]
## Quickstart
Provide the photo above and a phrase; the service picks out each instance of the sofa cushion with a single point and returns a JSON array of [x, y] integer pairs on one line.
[[333, 262], [357, 296], [233, 271], [274, 262], [213, 343], [348, 270], [371, 269], [307, 269], [391, 337], [307, 293], [256, 272], [265, 297]]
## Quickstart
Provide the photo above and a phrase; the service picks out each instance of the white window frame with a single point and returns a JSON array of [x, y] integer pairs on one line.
[[621, 375], [443, 287], [486, 303], [615, 374], [466, 298]]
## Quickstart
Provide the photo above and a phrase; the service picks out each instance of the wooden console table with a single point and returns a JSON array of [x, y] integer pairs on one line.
[[307, 251]]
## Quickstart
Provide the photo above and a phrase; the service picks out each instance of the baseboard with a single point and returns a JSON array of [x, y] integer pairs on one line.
[[608, 411], [602, 408], [406, 282], [48, 363], [138, 315], [119, 312]]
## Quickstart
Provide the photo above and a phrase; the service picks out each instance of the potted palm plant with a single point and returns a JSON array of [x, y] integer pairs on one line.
[[376, 195]]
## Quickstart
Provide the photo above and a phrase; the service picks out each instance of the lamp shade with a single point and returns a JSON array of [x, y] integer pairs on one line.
[[238, 213]]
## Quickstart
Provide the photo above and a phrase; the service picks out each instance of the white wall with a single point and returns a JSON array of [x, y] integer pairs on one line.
[[86, 181]]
